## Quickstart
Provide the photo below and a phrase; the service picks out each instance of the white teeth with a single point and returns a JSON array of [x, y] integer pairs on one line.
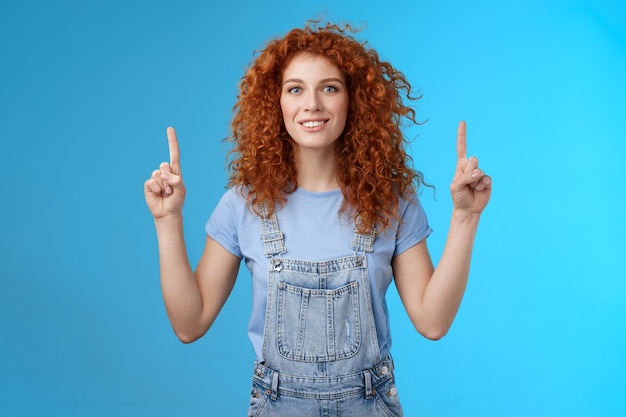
[[313, 124]]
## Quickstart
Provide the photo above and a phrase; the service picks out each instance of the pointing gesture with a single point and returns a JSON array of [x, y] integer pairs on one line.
[[172, 142], [164, 190], [470, 187]]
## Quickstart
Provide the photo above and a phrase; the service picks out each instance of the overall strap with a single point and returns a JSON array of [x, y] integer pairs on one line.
[[272, 236], [363, 242]]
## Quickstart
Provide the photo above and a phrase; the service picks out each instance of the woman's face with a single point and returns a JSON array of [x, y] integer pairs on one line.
[[314, 102]]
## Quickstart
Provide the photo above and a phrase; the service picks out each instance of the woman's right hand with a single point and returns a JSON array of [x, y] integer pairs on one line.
[[164, 190]]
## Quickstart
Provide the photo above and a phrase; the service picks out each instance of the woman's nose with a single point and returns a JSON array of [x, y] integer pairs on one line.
[[313, 102]]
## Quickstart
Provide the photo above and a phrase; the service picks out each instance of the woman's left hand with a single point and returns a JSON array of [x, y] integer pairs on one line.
[[470, 187]]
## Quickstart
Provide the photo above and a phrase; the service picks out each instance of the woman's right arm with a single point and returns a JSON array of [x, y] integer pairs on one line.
[[192, 299]]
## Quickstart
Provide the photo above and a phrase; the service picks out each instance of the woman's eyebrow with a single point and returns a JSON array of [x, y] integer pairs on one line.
[[332, 79], [325, 80], [293, 80]]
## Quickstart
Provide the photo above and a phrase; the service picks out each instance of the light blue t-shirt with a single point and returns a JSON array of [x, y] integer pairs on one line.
[[313, 231]]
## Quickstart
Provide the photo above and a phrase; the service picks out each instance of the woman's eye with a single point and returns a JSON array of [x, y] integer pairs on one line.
[[330, 89], [295, 90]]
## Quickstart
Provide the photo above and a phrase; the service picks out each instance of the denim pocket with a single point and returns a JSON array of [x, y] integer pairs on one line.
[[318, 325]]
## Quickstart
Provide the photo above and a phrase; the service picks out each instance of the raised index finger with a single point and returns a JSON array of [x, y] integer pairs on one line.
[[461, 146], [172, 141]]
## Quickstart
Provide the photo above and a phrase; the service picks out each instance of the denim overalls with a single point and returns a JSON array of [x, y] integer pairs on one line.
[[320, 349]]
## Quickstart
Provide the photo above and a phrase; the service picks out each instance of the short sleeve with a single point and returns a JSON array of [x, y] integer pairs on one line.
[[222, 225], [413, 226]]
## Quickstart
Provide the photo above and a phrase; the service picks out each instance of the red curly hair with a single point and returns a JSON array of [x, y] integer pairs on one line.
[[373, 167]]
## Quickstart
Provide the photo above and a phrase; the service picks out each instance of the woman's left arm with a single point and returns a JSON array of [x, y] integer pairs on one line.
[[432, 296]]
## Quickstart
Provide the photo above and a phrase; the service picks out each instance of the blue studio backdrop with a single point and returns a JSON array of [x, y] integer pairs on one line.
[[88, 88]]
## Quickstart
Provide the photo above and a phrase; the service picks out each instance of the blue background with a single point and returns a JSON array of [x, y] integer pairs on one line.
[[88, 88]]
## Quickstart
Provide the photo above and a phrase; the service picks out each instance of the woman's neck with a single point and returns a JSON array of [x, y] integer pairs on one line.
[[317, 172]]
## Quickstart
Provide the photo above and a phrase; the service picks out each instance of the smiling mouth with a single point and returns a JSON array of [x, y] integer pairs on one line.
[[313, 123]]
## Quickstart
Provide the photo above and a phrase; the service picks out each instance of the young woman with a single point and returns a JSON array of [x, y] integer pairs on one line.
[[322, 207]]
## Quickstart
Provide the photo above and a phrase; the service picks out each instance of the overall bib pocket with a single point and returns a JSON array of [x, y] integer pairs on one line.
[[318, 325]]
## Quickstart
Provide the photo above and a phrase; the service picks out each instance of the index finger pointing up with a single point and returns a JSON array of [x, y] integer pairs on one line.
[[172, 141], [461, 145]]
